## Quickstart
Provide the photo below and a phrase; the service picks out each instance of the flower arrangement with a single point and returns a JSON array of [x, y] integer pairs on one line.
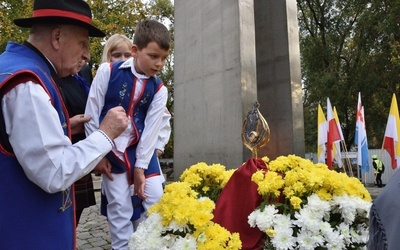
[[308, 206], [304, 206], [182, 218]]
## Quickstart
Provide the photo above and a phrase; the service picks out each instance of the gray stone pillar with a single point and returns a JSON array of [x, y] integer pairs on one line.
[[279, 76], [215, 81]]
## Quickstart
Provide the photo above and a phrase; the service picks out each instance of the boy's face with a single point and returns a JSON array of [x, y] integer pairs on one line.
[[150, 59]]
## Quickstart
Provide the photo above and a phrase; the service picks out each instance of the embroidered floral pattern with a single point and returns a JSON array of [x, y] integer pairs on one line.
[[122, 92]]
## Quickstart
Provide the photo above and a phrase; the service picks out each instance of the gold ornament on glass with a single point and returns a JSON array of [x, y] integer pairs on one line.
[[255, 130]]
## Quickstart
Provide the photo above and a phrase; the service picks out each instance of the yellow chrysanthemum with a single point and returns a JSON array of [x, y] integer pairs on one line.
[[219, 238], [301, 178], [194, 212], [295, 202], [207, 180], [270, 232], [269, 183]]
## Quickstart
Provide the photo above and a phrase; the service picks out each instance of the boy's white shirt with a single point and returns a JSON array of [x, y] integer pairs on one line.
[[165, 132], [153, 121]]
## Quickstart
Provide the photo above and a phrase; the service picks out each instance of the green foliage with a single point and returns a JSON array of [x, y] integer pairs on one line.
[[349, 47], [10, 10]]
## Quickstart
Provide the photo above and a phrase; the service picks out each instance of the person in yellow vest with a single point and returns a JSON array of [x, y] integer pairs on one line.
[[379, 168]]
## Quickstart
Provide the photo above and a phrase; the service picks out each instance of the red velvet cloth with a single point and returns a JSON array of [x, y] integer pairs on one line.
[[238, 199]]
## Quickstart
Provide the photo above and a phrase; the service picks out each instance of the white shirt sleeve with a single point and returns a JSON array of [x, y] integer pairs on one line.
[[46, 155], [152, 126], [165, 131], [95, 101]]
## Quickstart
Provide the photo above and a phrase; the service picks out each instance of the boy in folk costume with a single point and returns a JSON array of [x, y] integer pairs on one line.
[[133, 85]]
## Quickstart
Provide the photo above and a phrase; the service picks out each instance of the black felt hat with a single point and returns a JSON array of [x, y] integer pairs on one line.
[[74, 12]]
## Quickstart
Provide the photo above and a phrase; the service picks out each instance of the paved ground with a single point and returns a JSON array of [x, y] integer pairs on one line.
[[93, 233]]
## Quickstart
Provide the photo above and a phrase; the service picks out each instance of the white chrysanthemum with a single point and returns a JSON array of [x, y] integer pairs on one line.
[[335, 241], [284, 239], [152, 223], [147, 235], [187, 243], [307, 219], [346, 206], [252, 218], [318, 206], [325, 228], [264, 219], [282, 221], [344, 230], [307, 240]]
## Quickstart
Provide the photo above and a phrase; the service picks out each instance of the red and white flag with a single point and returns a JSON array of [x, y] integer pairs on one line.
[[391, 141], [333, 133]]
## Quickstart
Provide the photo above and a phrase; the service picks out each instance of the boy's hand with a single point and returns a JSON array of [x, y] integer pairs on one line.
[[115, 122], [104, 167], [77, 122], [139, 181], [159, 152]]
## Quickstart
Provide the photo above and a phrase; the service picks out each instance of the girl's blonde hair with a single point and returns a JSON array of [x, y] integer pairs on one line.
[[112, 43]]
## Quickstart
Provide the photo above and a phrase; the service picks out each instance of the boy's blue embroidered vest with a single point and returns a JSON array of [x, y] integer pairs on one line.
[[120, 92], [30, 218]]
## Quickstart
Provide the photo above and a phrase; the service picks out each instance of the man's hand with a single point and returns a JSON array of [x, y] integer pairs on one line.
[[115, 122], [139, 180], [77, 124], [103, 167]]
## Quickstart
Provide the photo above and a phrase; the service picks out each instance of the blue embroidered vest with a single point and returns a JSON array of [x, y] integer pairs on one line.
[[120, 92], [30, 218]]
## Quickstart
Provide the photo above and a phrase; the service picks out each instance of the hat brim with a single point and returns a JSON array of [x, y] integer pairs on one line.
[[28, 22]]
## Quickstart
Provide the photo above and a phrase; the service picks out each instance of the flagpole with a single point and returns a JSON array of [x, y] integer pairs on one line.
[[347, 159]]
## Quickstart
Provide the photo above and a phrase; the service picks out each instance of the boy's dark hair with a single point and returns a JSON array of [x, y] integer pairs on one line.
[[148, 31]]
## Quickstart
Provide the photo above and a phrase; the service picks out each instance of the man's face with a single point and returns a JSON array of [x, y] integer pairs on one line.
[[74, 49]]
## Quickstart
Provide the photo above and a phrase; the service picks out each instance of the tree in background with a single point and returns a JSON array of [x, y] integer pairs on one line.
[[346, 47], [111, 16], [10, 10], [349, 47]]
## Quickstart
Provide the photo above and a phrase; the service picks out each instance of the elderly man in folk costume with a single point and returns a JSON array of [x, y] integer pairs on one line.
[[38, 161]]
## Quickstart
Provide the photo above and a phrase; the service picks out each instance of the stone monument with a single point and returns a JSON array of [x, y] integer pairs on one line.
[[279, 88], [216, 75]]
